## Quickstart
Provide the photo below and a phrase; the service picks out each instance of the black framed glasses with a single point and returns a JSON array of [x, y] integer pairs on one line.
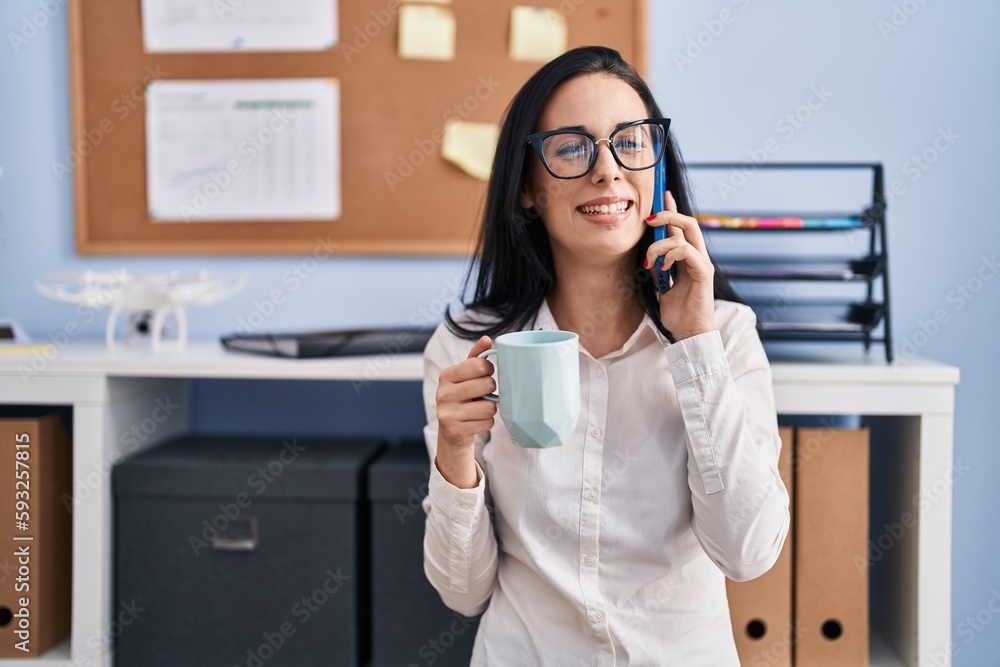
[[572, 153]]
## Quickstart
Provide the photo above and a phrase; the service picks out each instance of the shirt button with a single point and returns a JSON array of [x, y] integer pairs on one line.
[[599, 373], [682, 361], [589, 495], [589, 560], [598, 617], [596, 432]]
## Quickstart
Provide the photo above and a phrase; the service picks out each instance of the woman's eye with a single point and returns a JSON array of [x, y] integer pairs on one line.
[[628, 145], [572, 150]]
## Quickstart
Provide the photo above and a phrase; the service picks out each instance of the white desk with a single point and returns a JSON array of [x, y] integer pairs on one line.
[[909, 407]]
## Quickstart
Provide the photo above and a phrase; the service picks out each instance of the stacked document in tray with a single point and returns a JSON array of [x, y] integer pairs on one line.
[[817, 316], [800, 268]]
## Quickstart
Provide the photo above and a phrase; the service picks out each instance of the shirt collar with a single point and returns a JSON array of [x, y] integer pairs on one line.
[[546, 322]]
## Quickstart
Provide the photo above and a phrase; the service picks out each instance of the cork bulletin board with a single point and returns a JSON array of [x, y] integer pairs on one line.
[[398, 195]]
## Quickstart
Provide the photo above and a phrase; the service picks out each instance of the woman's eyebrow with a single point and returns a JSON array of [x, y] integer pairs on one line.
[[581, 128]]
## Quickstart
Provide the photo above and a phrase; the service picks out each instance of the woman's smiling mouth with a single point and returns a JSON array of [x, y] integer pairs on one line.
[[606, 210]]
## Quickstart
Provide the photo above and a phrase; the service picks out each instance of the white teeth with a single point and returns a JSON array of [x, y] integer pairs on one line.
[[617, 207]]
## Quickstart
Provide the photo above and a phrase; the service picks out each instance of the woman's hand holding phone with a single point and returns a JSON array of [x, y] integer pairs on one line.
[[688, 308]]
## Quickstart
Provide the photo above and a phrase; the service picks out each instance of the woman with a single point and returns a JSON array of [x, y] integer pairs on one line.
[[612, 549]]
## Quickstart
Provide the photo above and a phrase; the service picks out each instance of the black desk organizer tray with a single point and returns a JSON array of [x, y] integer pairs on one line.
[[863, 317]]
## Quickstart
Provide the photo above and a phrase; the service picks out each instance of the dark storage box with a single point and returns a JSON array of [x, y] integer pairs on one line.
[[410, 624], [243, 551]]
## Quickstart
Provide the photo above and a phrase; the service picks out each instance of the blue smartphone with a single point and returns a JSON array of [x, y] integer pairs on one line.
[[660, 233]]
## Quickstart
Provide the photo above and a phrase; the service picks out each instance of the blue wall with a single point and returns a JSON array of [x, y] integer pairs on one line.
[[892, 92], [898, 73]]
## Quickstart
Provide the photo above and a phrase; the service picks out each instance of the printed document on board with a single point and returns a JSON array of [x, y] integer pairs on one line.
[[264, 149], [238, 25]]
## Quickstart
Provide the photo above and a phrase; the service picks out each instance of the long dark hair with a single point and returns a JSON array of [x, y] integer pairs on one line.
[[516, 269]]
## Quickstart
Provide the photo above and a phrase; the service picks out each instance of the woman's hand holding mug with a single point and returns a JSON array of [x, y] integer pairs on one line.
[[463, 414]]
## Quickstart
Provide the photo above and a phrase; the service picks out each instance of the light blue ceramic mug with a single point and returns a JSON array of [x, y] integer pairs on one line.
[[538, 385]]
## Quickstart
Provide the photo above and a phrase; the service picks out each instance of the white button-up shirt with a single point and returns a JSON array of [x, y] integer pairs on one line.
[[613, 549]]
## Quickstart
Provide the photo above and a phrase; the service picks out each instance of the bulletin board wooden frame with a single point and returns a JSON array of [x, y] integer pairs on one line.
[[392, 115]]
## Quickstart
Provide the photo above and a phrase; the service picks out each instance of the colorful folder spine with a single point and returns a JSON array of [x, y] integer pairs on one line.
[[744, 222]]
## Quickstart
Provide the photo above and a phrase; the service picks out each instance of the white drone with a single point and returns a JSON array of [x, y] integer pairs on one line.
[[148, 300]]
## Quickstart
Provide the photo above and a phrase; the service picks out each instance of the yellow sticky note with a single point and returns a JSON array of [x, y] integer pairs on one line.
[[27, 349], [470, 146], [537, 34], [426, 32]]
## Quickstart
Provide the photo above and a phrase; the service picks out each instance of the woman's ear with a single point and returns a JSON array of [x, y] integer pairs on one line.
[[527, 196]]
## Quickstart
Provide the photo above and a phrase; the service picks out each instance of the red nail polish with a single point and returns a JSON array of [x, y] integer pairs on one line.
[[651, 218], [645, 262]]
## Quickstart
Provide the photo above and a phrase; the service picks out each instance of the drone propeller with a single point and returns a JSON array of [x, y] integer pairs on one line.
[[207, 291], [87, 295], [88, 277]]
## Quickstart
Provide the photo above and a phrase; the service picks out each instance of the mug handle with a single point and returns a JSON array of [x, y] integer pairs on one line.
[[490, 397]]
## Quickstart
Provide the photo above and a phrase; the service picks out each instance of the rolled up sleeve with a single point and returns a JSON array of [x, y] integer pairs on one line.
[[724, 387]]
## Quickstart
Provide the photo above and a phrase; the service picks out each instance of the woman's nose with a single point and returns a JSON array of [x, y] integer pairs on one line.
[[606, 168]]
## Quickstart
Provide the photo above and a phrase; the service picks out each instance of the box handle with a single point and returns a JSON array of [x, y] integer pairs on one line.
[[240, 535]]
